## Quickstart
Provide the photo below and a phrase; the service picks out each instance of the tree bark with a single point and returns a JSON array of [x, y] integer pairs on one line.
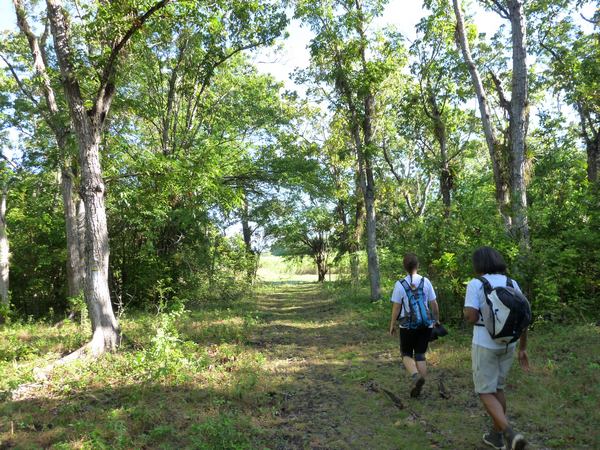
[[75, 266], [354, 247], [593, 159], [322, 268], [4, 252], [518, 122], [591, 136]]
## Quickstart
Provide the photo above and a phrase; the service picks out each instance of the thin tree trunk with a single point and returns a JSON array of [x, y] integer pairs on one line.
[[359, 220], [593, 159], [369, 186], [494, 147], [441, 136], [75, 267], [247, 234], [4, 252], [518, 122]]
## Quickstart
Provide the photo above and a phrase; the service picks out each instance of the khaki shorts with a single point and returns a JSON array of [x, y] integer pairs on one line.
[[490, 368]]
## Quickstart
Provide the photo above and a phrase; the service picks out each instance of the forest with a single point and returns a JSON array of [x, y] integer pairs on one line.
[[197, 254]]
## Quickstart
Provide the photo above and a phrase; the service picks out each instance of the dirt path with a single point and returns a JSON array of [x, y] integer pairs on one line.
[[329, 368]]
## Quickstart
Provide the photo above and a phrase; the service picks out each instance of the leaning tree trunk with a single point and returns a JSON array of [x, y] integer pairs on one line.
[[75, 268], [518, 122], [494, 146], [4, 252]]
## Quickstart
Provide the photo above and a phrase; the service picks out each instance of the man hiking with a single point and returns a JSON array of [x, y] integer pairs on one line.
[[415, 309], [492, 301]]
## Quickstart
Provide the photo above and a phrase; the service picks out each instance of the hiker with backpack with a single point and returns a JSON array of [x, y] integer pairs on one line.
[[500, 314], [415, 310]]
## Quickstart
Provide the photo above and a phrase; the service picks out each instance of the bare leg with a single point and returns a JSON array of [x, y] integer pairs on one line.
[[495, 409], [502, 400], [410, 365], [422, 368]]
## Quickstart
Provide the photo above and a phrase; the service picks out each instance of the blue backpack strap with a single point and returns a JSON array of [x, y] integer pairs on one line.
[[406, 286], [510, 283]]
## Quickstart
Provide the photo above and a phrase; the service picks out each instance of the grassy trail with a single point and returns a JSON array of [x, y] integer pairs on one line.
[[330, 363], [297, 366]]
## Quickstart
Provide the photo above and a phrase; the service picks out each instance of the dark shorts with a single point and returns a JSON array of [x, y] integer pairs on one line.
[[414, 342]]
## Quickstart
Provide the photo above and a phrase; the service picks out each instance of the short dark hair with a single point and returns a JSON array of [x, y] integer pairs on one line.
[[411, 262], [488, 260]]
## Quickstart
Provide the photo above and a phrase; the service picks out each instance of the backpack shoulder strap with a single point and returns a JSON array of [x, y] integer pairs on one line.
[[422, 283], [405, 285], [487, 287], [510, 283]]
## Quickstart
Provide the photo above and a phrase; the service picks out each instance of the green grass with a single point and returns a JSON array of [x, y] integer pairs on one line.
[[294, 366]]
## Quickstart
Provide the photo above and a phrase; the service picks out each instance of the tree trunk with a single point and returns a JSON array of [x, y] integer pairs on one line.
[[593, 158], [439, 128], [88, 128], [247, 234], [591, 137], [75, 266], [321, 267], [4, 252], [494, 147], [518, 122], [369, 186], [106, 335]]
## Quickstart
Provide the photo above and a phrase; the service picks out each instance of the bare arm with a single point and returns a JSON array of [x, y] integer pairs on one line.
[[523, 357], [435, 310], [471, 315], [395, 312]]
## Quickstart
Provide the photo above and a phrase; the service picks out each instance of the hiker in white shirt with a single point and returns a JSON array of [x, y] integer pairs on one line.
[[491, 360], [415, 326]]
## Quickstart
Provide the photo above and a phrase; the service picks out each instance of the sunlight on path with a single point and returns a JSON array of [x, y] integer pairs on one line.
[[323, 367]]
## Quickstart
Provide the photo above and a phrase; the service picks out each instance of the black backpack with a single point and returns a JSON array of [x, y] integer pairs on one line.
[[506, 312]]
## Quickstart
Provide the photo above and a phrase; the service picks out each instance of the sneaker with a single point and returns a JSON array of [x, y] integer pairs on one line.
[[418, 383], [514, 441], [494, 439]]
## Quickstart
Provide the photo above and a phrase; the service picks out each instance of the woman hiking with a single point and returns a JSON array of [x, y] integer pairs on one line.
[[415, 310]]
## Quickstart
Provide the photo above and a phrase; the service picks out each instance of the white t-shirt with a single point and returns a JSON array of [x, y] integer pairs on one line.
[[399, 294], [475, 298]]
